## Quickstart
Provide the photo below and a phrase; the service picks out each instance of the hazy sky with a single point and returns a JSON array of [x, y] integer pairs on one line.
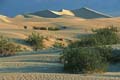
[[14, 7]]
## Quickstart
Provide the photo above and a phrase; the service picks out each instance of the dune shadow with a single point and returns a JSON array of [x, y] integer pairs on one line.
[[32, 69], [115, 67], [20, 41]]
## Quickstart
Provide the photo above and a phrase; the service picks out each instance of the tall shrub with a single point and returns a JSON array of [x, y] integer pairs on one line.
[[85, 60], [91, 54], [106, 36], [36, 41], [7, 48]]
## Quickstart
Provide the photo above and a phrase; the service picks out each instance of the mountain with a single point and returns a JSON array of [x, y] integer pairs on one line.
[[89, 13], [84, 12], [45, 13], [64, 12]]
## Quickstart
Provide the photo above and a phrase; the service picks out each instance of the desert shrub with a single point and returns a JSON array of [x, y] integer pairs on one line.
[[53, 28], [36, 41], [84, 59], [106, 52], [91, 54], [63, 27], [58, 45], [39, 28], [46, 28], [25, 27], [84, 42], [7, 48], [43, 28], [106, 36]]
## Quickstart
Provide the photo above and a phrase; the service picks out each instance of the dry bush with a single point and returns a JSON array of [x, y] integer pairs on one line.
[[7, 48], [85, 59], [91, 53], [46, 28], [36, 40]]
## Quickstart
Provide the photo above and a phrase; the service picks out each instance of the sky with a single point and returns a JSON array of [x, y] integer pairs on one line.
[[15, 7]]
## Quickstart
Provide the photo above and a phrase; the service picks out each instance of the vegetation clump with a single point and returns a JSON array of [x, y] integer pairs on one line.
[[25, 27], [7, 48], [59, 45], [39, 28], [53, 28], [36, 40], [106, 36], [91, 54], [46, 28], [84, 60]]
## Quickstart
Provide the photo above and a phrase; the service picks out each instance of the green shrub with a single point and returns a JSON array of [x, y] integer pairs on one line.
[[7, 48], [91, 54], [58, 45], [84, 42], [53, 28], [25, 27], [39, 28], [36, 41], [84, 59], [46, 28], [43, 28], [105, 52], [106, 36]]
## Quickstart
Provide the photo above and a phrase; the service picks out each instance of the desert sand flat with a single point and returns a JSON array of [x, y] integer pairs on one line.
[[44, 64], [74, 25]]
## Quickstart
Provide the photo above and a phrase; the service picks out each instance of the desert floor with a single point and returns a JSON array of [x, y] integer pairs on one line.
[[45, 64]]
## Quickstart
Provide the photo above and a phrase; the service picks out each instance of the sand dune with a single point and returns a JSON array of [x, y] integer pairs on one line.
[[89, 13], [45, 13], [75, 26], [64, 12], [84, 12], [4, 19]]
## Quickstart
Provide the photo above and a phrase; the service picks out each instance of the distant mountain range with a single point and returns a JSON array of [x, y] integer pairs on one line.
[[84, 12]]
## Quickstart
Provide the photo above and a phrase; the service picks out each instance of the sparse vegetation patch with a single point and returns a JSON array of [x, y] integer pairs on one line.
[[39, 28], [49, 28], [104, 36], [84, 60], [36, 40], [91, 54], [7, 48]]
